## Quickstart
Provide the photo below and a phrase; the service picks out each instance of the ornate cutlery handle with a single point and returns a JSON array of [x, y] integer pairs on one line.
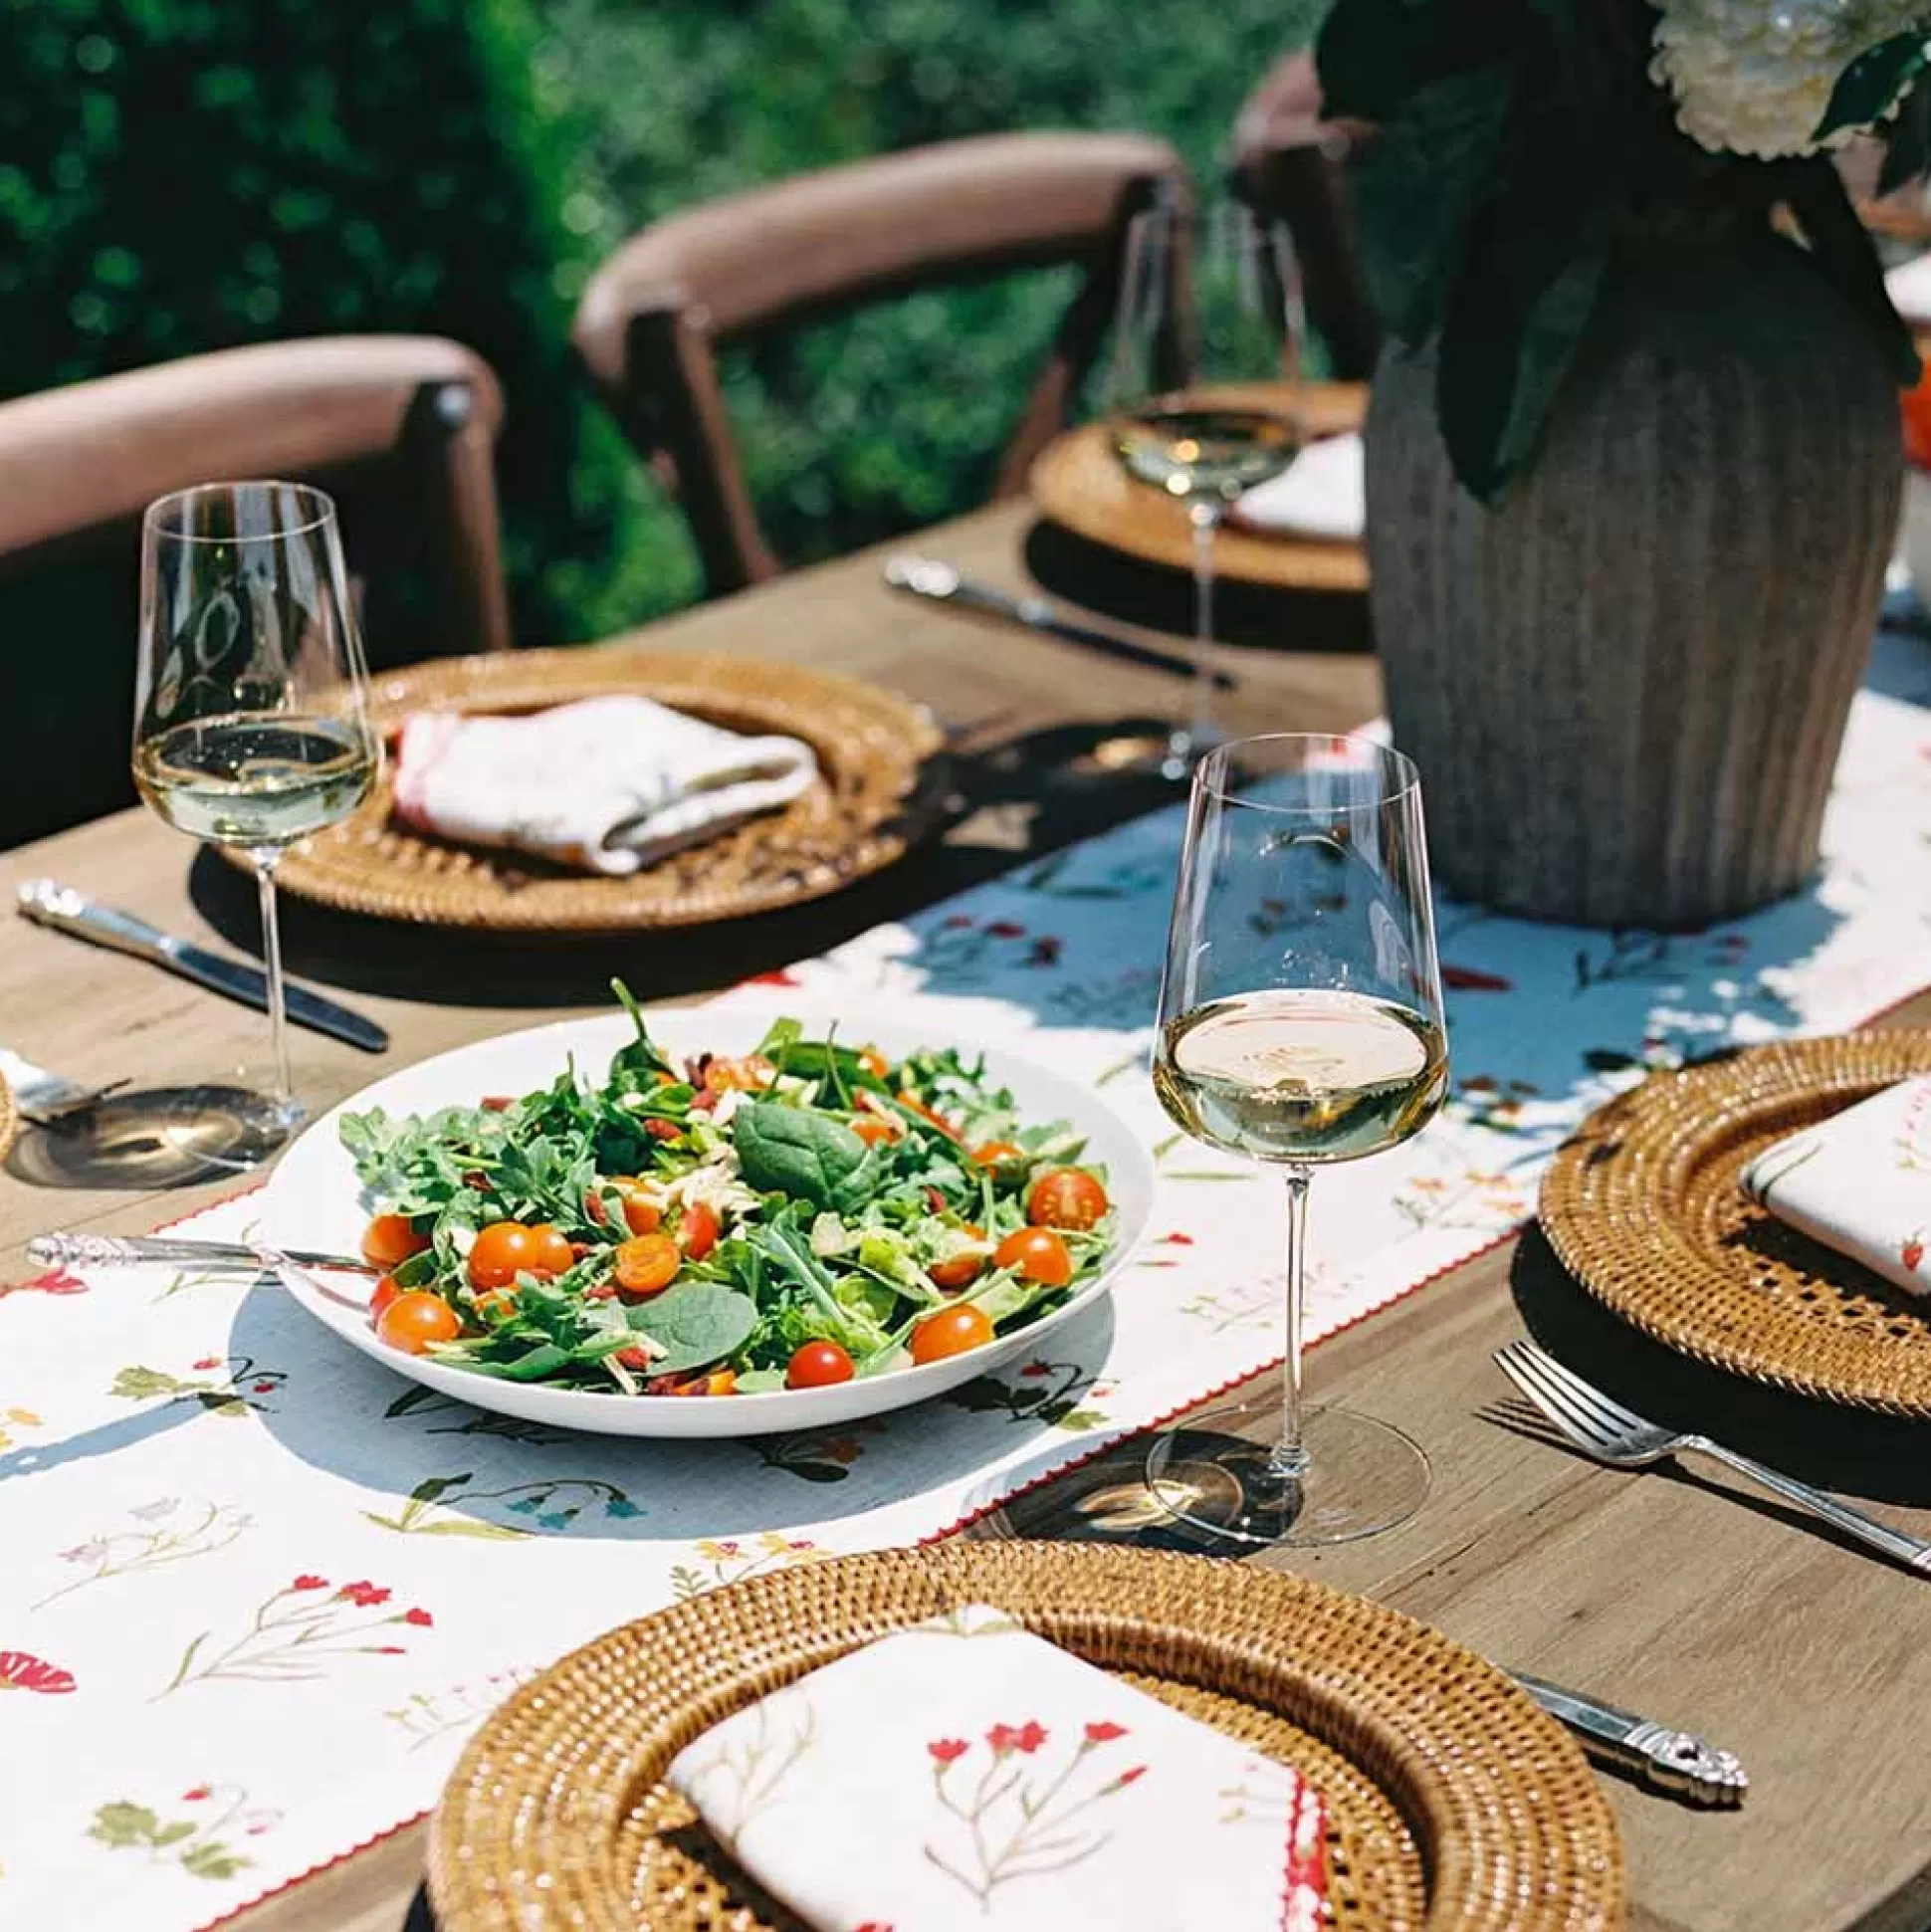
[[1912, 1551], [1669, 1760], [115, 1251]]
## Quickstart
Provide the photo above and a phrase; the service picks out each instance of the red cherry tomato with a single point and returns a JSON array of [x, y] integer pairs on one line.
[[991, 1153], [1038, 1254], [697, 1231], [818, 1364], [951, 1332], [504, 1249], [389, 1240], [417, 1321], [1066, 1197], [647, 1264], [386, 1291], [960, 1270]]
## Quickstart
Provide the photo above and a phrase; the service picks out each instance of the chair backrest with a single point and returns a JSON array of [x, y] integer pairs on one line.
[[1301, 179], [403, 428], [654, 315]]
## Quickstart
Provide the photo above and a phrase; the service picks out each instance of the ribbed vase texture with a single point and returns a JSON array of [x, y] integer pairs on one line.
[[1626, 686]]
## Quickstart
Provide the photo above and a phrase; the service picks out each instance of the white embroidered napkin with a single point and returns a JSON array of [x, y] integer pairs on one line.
[[607, 783], [965, 1773], [1322, 493], [1860, 1183]]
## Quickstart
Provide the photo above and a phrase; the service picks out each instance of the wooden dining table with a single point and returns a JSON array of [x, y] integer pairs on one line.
[[1670, 1593]]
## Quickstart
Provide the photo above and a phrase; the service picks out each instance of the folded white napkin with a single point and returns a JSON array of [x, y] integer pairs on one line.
[[1909, 288], [608, 784], [966, 1774], [1860, 1183], [1322, 494]]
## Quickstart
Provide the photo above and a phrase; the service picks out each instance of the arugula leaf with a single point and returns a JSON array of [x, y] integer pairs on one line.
[[811, 1156], [698, 1323], [642, 1055]]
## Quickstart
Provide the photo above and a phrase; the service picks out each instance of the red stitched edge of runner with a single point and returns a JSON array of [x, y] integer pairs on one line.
[[314, 1871], [977, 1515]]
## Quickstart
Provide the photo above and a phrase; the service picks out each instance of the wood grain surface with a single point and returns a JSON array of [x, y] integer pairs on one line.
[[1669, 1594]]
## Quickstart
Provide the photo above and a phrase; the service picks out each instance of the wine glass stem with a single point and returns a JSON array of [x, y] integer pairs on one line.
[[1205, 514], [267, 858], [1290, 1459]]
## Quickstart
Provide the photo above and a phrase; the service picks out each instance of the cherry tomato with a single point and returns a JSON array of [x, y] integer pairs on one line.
[[495, 1301], [647, 1264], [641, 1215], [991, 1153], [818, 1364], [1066, 1197], [951, 1332], [697, 1231], [871, 1130], [907, 1098], [416, 1320], [875, 1063], [389, 1240], [719, 1382], [746, 1075], [386, 1291], [960, 1270], [1038, 1254], [504, 1249]]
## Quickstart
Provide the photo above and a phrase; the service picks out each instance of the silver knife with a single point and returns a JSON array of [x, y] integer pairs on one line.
[[68, 911], [1673, 1761], [927, 577], [122, 1251]]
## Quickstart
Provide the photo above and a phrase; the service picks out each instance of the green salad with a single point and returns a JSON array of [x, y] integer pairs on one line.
[[791, 1218]]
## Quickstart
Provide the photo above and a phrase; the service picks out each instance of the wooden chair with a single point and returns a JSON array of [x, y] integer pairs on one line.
[[402, 429], [1295, 169], [654, 316]]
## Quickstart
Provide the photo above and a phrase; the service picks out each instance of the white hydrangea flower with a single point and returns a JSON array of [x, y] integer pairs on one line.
[[1754, 76]]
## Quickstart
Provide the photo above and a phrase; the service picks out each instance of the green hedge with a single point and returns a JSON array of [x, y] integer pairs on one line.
[[183, 174]]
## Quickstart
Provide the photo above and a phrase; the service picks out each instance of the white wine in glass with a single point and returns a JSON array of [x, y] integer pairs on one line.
[[1204, 394], [251, 721], [1301, 1023]]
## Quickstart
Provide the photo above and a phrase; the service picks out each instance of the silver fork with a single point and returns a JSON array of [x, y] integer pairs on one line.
[[44, 1098], [1601, 1428]]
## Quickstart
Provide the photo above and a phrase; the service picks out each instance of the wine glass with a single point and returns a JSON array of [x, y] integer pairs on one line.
[[1300, 1022], [1203, 389], [251, 719]]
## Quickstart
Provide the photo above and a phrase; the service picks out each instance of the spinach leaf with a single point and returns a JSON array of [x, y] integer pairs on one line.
[[810, 1156], [698, 1323]]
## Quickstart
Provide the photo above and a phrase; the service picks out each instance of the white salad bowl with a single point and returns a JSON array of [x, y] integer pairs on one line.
[[313, 1201]]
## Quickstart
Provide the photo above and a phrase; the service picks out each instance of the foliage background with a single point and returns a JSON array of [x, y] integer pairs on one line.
[[179, 175]]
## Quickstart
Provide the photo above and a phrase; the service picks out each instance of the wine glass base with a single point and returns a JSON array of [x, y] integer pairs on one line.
[[1212, 1473], [228, 1129]]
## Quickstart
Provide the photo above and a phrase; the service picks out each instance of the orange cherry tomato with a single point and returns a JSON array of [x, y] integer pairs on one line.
[[991, 1152], [495, 1301], [746, 1075], [417, 1321], [504, 1249], [697, 1231], [719, 1382], [871, 1130], [960, 1270], [386, 1291], [818, 1364], [1066, 1197], [1038, 1254], [646, 1264], [907, 1098], [951, 1332], [875, 1063], [641, 1215], [389, 1240]]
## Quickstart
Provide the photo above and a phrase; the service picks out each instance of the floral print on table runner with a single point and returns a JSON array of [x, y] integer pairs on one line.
[[176, 1452]]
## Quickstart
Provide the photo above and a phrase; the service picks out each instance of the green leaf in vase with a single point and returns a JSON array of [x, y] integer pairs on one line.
[[1866, 88]]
